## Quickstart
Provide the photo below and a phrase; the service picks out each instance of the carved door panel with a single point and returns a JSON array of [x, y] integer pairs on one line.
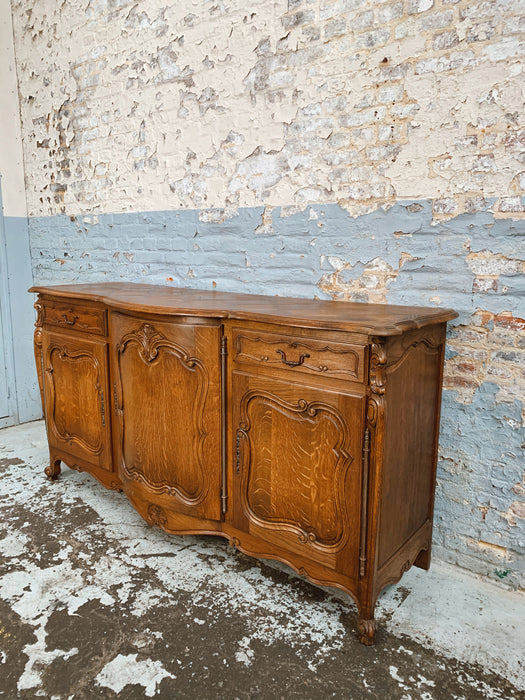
[[167, 402], [298, 468], [75, 394]]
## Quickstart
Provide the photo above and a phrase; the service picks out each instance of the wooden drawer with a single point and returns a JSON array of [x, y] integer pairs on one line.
[[78, 316], [314, 356]]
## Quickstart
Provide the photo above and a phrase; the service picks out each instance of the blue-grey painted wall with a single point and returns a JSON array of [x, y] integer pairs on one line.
[[17, 322], [472, 263]]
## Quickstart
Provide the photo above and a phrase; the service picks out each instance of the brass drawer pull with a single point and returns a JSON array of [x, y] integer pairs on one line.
[[291, 363], [68, 321]]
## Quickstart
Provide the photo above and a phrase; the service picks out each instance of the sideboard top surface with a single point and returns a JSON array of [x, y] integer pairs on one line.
[[374, 319]]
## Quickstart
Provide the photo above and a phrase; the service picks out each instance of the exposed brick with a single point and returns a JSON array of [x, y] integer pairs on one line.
[[295, 20], [371, 39], [512, 25], [484, 163], [381, 153], [363, 20], [445, 40], [475, 204], [390, 93], [482, 31], [403, 111], [503, 50], [387, 13], [511, 204], [311, 33], [490, 8], [487, 263], [484, 284], [335, 28], [453, 61], [330, 10], [445, 206], [366, 116], [435, 20], [416, 6], [391, 132]]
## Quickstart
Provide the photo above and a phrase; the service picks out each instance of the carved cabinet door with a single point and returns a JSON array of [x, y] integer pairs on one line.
[[167, 405], [75, 372], [298, 468]]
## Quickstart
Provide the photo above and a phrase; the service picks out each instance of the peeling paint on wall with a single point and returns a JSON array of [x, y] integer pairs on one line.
[[213, 105]]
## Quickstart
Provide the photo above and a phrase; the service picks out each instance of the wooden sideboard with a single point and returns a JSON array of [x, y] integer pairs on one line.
[[303, 431]]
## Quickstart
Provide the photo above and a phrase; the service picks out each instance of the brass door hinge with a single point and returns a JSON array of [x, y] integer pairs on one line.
[[224, 475], [102, 407], [364, 502]]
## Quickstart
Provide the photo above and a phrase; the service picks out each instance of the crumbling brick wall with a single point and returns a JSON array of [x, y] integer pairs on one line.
[[349, 149]]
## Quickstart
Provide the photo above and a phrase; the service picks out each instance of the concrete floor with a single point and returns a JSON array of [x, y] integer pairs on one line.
[[96, 604]]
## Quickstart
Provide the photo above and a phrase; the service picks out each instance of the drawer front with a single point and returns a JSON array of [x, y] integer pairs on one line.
[[314, 356], [78, 316]]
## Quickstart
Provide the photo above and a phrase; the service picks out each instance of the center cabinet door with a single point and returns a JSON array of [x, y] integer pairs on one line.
[[167, 405], [298, 469]]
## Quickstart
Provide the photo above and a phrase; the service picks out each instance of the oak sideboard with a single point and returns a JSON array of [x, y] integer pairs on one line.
[[302, 431]]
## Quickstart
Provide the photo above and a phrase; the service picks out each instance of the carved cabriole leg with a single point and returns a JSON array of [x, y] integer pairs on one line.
[[366, 624], [53, 470], [366, 630]]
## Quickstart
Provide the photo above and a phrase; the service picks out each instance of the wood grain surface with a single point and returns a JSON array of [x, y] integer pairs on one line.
[[379, 319], [303, 431]]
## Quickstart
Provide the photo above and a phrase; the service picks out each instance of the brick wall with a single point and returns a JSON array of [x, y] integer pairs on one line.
[[352, 149]]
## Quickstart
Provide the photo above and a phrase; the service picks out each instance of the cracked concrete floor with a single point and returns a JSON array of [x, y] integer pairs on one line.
[[94, 603]]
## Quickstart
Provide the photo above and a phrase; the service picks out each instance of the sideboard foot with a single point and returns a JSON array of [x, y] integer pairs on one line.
[[366, 630], [53, 470]]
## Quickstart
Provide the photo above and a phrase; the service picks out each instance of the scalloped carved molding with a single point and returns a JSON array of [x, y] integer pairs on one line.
[[296, 344], [65, 355], [307, 533], [425, 343], [149, 342]]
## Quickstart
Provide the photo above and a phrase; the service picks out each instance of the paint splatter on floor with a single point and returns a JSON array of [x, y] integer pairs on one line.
[[95, 603]]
